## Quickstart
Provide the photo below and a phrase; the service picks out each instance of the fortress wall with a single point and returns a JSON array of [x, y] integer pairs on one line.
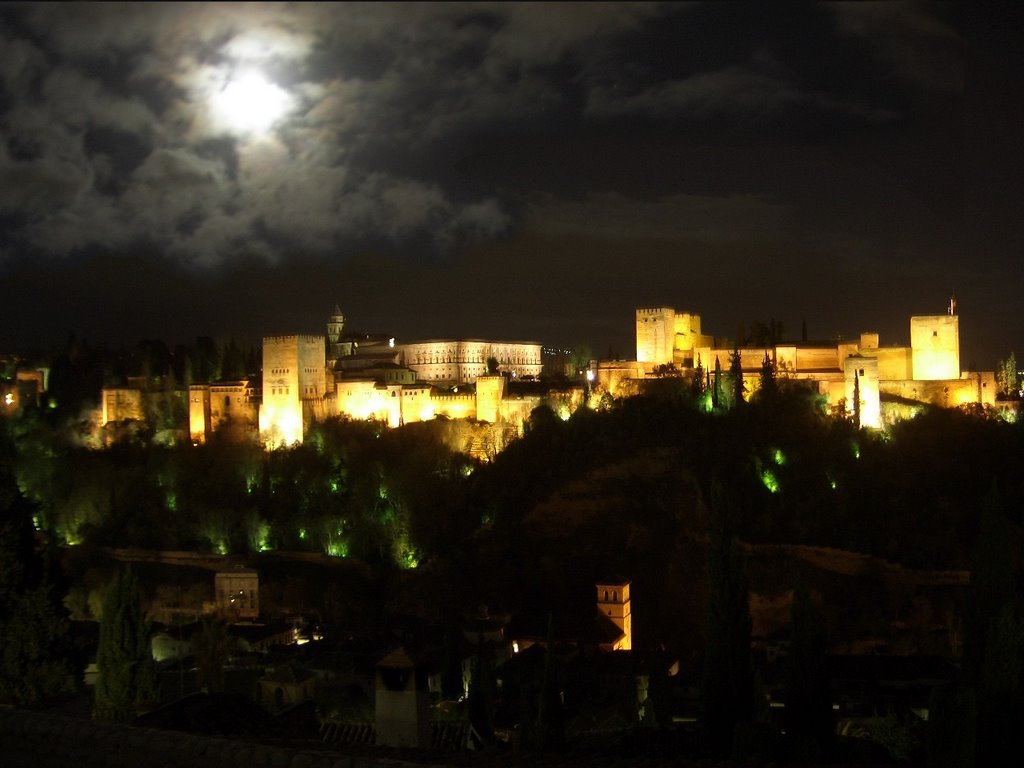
[[893, 363], [455, 406], [949, 393], [817, 358]]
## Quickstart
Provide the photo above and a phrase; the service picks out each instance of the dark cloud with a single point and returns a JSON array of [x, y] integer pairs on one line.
[[813, 149]]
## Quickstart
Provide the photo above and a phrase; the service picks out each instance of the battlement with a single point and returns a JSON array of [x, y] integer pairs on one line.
[[306, 338]]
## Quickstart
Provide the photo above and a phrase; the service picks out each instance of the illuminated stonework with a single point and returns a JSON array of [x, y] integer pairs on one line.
[[927, 371], [935, 346], [613, 602], [665, 336], [294, 380], [212, 407], [452, 361]]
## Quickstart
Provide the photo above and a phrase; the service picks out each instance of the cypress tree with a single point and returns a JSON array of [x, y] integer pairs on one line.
[[736, 374], [994, 639], [856, 400], [767, 384], [728, 690], [698, 382], [810, 724], [716, 387], [127, 679]]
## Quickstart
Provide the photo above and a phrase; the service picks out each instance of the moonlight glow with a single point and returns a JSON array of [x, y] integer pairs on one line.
[[249, 103]]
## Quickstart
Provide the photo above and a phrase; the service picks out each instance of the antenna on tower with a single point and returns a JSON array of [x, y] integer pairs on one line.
[[952, 304]]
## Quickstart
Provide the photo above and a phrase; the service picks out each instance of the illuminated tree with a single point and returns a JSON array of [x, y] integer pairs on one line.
[[698, 380], [1006, 377], [580, 359]]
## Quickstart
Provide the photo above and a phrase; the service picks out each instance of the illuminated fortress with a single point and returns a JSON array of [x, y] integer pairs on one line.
[[308, 378], [887, 379]]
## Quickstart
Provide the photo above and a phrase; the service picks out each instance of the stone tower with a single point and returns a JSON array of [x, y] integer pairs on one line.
[[655, 335], [335, 327], [402, 702], [613, 602], [935, 347]]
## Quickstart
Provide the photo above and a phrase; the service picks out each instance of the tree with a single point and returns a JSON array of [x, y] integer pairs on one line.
[[212, 645], [35, 654], [856, 400], [550, 729], [736, 377], [1007, 379], [728, 690], [698, 381], [580, 359], [994, 641], [492, 366], [717, 396], [768, 384], [810, 724], [127, 680]]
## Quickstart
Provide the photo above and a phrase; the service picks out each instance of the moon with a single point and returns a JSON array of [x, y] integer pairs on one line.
[[250, 104]]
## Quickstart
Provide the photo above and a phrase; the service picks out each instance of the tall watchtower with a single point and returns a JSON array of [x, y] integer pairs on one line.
[[613, 602], [335, 327]]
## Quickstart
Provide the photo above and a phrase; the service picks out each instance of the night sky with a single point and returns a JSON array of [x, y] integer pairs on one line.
[[509, 171]]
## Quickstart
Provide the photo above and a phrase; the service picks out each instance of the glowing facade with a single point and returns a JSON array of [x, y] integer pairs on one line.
[[450, 362], [294, 383], [927, 371], [664, 336], [613, 602]]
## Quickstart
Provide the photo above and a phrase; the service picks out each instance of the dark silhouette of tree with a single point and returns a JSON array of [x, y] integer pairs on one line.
[[810, 723], [728, 685], [736, 378], [232, 361], [550, 727], [35, 653], [994, 640], [856, 400], [717, 395], [127, 680], [768, 384], [212, 645], [481, 693], [698, 380], [492, 366]]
